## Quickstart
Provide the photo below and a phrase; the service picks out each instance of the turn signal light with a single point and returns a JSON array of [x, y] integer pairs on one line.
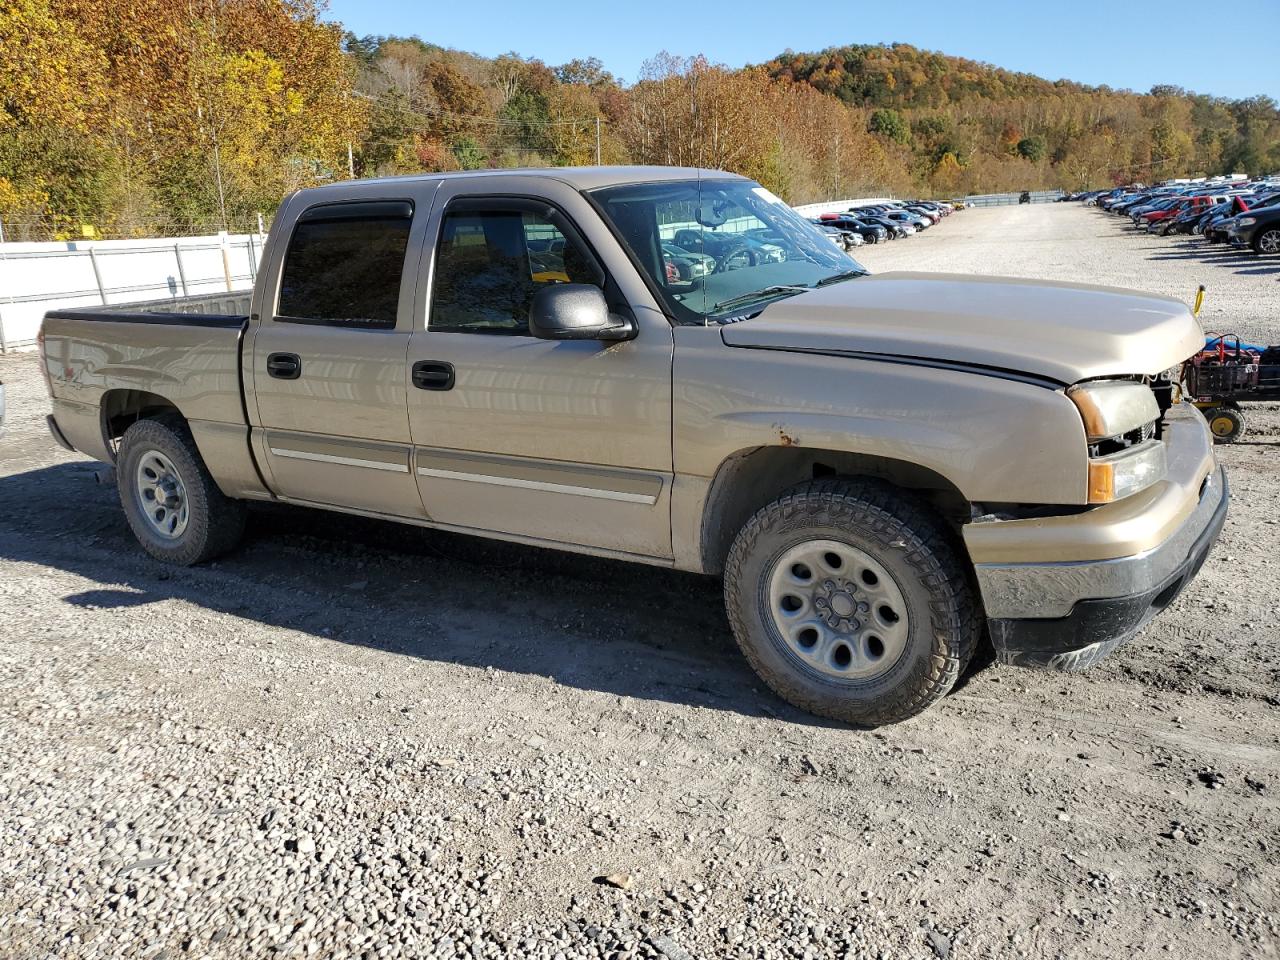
[[1102, 482], [1116, 476]]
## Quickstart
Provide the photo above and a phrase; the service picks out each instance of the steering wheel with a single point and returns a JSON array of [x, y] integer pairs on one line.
[[736, 257]]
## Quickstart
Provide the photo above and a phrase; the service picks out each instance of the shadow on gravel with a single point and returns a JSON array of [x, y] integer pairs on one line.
[[1217, 256], [595, 624], [109, 599], [1223, 258]]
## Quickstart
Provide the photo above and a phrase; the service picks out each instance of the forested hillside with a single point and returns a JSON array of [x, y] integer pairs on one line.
[[961, 125], [136, 117]]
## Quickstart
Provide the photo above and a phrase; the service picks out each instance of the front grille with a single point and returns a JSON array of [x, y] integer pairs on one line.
[[1109, 445]]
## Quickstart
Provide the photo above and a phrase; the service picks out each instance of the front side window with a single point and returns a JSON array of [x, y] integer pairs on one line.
[[718, 248], [491, 261], [344, 265]]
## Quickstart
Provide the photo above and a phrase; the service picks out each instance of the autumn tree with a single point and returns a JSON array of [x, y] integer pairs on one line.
[[140, 116], [183, 96]]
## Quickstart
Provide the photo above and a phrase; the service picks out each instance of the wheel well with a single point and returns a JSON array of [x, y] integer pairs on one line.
[[748, 480], [123, 408]]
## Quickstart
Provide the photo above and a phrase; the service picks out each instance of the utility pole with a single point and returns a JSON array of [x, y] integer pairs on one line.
[[597, 141], [217, 169], [351, 161]]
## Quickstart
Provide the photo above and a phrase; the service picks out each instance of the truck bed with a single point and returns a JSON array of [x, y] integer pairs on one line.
[[184, 350], [206, 310]]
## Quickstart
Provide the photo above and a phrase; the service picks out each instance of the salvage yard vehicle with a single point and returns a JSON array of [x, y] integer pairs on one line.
[[1257, 228], [1239, 211], [688, 265], [885, 470], [869, 232]]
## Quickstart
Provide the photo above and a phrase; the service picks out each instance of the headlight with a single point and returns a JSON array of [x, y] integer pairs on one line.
[[1246, 221], [1111, 408], [1120, 419]]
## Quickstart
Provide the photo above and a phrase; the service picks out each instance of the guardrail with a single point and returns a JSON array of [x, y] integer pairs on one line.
[[1000, 199], [35, 277]]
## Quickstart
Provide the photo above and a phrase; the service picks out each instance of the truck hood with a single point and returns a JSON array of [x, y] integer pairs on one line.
[[1064, 332]]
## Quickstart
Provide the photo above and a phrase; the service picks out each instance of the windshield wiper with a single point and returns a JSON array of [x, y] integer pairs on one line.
[[837, 277], [756, 294]]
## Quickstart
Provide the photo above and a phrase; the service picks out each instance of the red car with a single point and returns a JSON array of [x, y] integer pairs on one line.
[[1155, 216]]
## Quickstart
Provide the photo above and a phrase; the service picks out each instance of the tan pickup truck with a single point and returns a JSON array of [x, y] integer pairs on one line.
[[671, 366]]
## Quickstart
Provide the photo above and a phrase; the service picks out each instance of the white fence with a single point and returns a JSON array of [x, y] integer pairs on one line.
[[838, 206], [35, 277]]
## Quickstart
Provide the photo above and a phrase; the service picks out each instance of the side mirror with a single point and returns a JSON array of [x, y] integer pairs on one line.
[[575, 311]]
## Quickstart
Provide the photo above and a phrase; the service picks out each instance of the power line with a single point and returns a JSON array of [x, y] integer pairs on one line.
[[427, 113]]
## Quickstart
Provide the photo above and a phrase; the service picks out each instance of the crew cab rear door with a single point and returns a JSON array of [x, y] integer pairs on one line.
[[561, 441], [328, 404]]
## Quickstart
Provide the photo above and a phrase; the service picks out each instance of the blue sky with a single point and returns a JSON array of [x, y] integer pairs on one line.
[[1123, 44]]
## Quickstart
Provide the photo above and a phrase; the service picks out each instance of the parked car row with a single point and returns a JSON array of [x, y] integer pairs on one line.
[[691, 255], [1243, 213], [882, 222]]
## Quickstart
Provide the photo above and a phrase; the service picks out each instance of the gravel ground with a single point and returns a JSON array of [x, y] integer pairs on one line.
[[1066, 241], [350, 739]]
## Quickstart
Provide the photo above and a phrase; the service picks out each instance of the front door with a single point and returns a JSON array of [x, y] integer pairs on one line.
[[331, 420], [563, 441]]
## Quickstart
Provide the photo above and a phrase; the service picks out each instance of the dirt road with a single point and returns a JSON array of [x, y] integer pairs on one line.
[[350, 739]]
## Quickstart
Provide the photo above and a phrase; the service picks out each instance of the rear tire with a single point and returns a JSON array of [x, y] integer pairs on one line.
[[850, 600], [169, 498]]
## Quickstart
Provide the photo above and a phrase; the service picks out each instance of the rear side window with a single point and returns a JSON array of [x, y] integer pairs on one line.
[[344, 265]]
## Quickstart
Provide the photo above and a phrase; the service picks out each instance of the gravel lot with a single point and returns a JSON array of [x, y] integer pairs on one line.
[[350, 739], [1066, 241]]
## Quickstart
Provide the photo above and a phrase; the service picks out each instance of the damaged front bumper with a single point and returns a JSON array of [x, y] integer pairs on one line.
[[1062, 592]]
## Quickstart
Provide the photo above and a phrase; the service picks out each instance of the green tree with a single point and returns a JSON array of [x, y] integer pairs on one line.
[[1032, 148], [889, 123], [468, 154]]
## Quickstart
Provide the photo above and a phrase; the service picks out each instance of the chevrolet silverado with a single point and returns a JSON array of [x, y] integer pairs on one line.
[[886, 470]]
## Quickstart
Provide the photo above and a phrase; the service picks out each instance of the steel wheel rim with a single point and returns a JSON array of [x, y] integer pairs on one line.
[[161, 495], [838, 610], [1222, 426], [1269, 242]]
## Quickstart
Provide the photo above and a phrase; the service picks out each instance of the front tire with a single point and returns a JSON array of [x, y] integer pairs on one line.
[[169, 498], [1267, 242], [850, 601]]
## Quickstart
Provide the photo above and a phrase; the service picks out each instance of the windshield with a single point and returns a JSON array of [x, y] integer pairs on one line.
[[719, 248]]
